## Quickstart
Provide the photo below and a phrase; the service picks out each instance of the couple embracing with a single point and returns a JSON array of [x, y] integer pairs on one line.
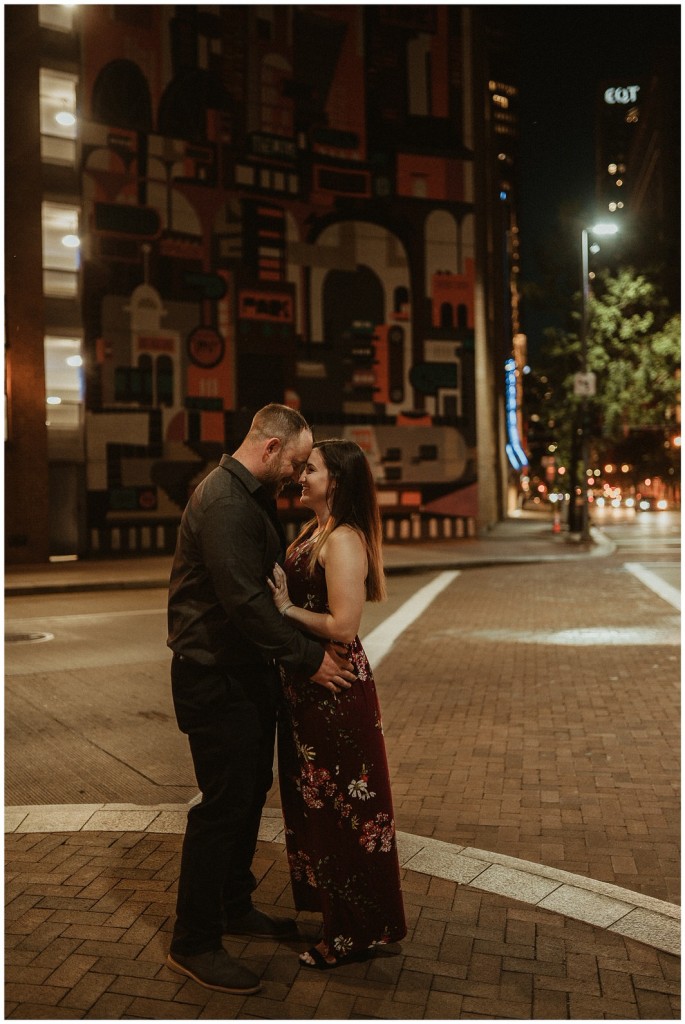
[[266, 640]]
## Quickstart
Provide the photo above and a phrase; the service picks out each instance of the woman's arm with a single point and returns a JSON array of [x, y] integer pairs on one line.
[[343, 558]]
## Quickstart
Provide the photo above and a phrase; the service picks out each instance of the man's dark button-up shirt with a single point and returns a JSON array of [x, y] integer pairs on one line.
[[220, 608]]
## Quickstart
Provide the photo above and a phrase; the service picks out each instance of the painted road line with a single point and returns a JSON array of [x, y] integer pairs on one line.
[[655, 583], [379, 641]]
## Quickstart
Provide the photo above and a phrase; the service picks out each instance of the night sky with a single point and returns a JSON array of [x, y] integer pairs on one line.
[[566, 51]]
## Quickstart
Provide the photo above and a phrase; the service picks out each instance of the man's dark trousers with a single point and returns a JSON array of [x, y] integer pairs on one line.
[[230, 720]]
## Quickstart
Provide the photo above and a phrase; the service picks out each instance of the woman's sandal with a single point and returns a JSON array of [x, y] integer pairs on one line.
[[322, 964]]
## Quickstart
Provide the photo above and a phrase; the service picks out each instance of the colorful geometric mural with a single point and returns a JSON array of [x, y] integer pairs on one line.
[[277, 206]]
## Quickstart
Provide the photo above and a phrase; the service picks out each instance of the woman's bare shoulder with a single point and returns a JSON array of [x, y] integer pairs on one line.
[[345, 542]]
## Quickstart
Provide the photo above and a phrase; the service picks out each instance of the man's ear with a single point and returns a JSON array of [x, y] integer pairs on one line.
[[272, 447]]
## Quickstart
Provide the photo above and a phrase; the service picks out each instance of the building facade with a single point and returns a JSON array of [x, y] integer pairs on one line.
[[211, 208]]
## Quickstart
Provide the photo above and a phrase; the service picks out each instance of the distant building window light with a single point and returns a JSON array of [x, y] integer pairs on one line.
[[58, 103], [633, 116], [58, 122], [60, 232], [502, 87], [54, 150], [61, 256], [500, 101], [63, 382], [56, 16], [612, 168]]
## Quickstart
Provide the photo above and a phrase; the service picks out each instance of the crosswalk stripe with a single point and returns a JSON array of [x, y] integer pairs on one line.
[[655, 583]]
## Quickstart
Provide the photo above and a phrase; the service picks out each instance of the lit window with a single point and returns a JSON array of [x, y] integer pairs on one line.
[[63, 382], [58, 123], [56, 16], [612, 168], [61, 254], [500, 101], [633, 116]]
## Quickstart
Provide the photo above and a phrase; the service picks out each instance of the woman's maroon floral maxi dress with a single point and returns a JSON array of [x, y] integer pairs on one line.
[[335, 794]]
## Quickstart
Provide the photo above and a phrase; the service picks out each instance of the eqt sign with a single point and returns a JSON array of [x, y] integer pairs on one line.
[[622, 94]]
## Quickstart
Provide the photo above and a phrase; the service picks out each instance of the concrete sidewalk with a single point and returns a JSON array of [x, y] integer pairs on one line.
[[533, 782], [527, 539]]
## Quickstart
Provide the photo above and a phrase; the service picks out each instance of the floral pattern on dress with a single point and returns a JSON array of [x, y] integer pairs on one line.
[[380, 831], [335, 794]]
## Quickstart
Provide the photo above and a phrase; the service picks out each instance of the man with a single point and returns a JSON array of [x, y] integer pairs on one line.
[[227, 638]]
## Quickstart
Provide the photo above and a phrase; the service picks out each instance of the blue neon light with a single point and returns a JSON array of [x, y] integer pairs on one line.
[[514, 450]]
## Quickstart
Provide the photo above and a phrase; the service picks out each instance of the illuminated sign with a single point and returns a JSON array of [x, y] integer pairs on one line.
[[515, 453], [622, 94]]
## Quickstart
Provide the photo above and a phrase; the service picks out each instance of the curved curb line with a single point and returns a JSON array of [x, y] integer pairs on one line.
[[631, 914]]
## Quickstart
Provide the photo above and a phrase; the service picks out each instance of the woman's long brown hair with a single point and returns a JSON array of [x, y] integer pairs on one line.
[[353, 503]]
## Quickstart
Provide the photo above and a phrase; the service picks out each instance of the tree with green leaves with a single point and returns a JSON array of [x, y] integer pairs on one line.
[[633, 348]]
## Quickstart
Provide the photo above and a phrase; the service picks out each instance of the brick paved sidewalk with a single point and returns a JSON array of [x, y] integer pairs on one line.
[[520, 718], [89, 916]]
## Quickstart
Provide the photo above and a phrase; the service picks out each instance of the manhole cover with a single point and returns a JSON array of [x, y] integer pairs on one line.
[[28, 638]]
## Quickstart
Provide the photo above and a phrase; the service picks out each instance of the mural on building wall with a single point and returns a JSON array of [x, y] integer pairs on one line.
[[278, 206]]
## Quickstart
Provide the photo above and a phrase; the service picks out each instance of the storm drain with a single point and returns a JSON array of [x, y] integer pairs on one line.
[[28, 638]]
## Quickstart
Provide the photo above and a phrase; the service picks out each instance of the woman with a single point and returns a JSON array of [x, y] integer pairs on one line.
[[333, 772]]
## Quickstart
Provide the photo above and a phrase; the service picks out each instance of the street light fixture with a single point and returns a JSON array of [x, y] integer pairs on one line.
[[584, 384]]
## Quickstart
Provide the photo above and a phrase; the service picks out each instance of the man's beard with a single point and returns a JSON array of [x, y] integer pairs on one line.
[[274, 483]]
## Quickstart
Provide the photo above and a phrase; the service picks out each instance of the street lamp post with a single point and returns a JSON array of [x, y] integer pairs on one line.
[[584, 383]]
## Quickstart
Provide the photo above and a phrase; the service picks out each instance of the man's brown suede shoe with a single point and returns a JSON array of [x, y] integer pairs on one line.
[[216, 970]]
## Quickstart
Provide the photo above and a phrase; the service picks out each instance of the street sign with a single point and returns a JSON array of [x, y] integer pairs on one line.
[[585, 385]]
